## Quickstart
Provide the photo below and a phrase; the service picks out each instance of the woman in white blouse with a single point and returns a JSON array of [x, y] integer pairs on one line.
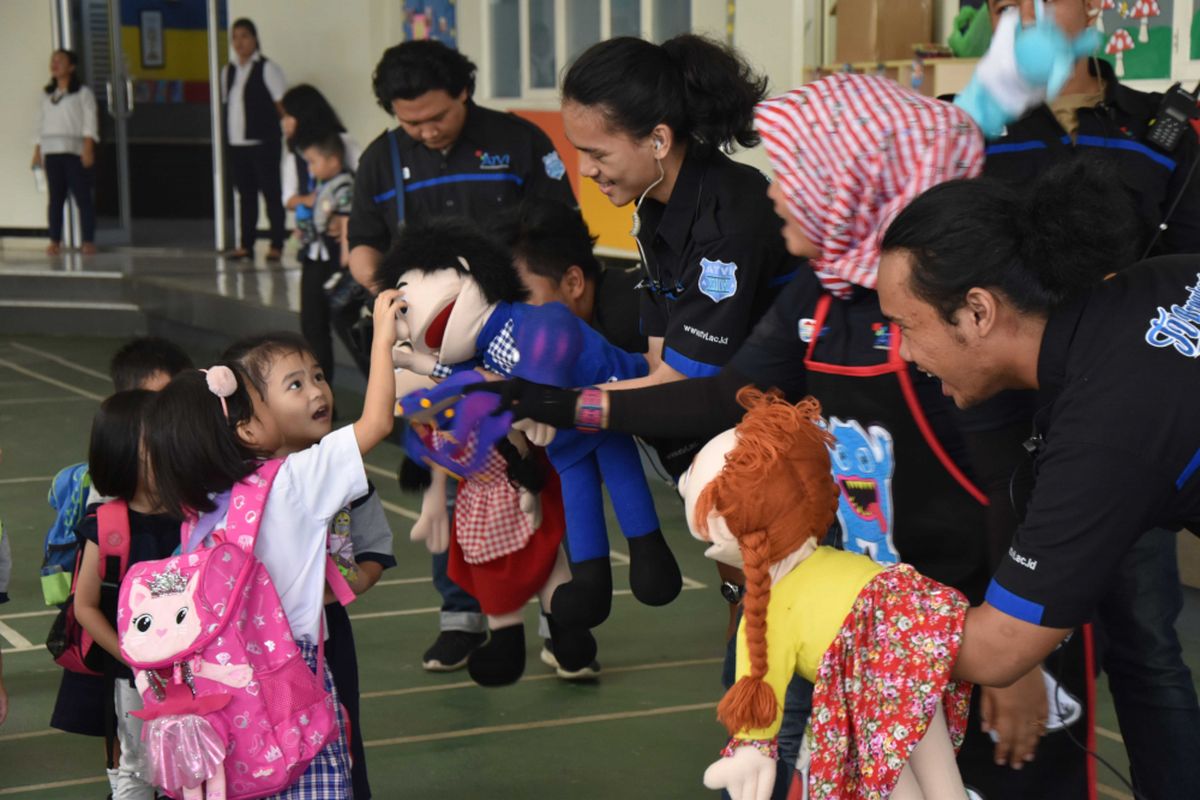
[[66, 148]]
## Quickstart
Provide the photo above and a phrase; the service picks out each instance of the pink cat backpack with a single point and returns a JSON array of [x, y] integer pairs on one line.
[[213, 650]]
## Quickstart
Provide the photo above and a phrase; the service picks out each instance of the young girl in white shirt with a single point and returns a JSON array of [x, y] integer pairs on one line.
[[66, 148], [207, 430]]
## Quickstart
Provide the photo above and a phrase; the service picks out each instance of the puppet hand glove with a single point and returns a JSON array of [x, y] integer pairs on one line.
[[748, 774], [539, 434], [433, 526], [1023, 68], [404, 357], [536, 401]]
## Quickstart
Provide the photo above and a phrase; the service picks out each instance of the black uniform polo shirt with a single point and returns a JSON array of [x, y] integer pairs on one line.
[[715, 262], [498, 159], [615, 313], [1113, 132], [1119, 378]]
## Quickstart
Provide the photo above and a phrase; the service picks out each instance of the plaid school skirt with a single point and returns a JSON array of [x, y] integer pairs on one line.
[[328, 774]]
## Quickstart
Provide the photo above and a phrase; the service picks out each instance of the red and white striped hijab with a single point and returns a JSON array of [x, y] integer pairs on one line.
[[850, 152]]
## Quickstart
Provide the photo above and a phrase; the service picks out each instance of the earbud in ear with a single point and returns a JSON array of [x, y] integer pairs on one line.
[[658, 144]]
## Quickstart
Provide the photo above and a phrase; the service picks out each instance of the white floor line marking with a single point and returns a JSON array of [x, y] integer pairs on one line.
[[12, 737], [27, 614], [404, 512], [38, 787], [404, 581], [1107, 734], [11, 635], [549, 676], [66, 362], [28, 401], [4, 362], [540, 724], [39, 479], [374, 470]]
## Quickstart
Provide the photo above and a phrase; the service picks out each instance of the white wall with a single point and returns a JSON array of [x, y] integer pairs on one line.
[[25, 41]]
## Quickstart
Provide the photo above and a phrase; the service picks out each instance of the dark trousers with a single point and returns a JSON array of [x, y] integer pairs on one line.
[[314, 310], [255, 170], [1151, 686], [65, 174], [343, 666]]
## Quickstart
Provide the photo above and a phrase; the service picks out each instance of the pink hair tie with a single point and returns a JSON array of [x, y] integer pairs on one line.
[[221, 382]]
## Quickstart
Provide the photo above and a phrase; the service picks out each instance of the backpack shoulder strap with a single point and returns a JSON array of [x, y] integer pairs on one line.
[[247, 501], [397, 175], [112, 536]]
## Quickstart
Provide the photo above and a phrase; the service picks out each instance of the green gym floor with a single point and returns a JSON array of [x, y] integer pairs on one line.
[[646, 729]]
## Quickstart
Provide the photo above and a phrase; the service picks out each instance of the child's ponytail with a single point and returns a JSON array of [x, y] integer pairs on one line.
[[193, 445]]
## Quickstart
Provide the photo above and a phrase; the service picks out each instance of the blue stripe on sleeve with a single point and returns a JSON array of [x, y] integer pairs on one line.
[[383, 198], [783, 280], [1188, 471], [1126, 144], [465, 177], [688, 366], [1014, 605], [1013, 147]]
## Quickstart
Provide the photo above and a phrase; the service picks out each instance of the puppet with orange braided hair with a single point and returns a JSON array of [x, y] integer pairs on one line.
[[878, 643]]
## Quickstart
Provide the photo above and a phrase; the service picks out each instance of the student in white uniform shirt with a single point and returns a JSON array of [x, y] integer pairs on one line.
[[252, 87], [66, 148]]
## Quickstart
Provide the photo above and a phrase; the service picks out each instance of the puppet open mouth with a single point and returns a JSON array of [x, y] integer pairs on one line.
[[862, 495], [437, 328]]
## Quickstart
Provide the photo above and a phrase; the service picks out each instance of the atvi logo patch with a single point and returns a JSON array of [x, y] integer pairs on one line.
[[494, 161], [718, 279], [1178, 326]]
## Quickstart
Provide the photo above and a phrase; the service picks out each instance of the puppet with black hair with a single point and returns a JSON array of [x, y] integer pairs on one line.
[[465, 309]]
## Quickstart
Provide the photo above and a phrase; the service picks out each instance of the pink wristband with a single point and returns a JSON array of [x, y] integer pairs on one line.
[[589, 415]]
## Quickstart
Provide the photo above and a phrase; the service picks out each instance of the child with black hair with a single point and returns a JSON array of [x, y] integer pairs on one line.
[[209, 430], [360, 538], [147, 362], [118, 470]]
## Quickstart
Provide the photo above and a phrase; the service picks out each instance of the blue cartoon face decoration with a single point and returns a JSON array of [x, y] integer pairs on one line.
[[718, 279], [863, 463]]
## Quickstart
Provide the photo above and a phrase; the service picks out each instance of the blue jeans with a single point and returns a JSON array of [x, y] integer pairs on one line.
[[460, 611], [1151, 687], [797, 706]]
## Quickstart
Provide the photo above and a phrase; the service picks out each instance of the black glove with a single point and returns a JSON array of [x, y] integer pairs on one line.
[[535, 401]]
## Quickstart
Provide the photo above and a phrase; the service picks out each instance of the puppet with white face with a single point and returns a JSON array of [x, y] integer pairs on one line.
[[762, 496], [464, 310]]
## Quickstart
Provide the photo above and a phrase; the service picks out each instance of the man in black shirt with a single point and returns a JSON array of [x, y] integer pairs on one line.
[[448, 157], [1097, 119], [996, 291]]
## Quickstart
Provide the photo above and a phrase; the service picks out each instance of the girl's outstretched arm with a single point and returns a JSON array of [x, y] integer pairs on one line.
[[376, 421]]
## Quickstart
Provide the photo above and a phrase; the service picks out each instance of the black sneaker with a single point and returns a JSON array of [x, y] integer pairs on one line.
[[451, 650], [589, 673]]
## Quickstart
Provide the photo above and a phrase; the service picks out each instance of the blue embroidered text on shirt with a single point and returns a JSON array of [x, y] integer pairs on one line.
[[498, 161], [502, 355], [554, 165], [1178, 327], [718, 279]]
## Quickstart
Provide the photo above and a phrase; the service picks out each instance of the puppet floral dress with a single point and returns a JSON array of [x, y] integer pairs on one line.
[[880, 682]]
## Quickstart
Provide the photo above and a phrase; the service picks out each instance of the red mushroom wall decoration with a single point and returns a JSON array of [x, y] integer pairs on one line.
[[1105, 5], [1144, 10], [1120, 43]]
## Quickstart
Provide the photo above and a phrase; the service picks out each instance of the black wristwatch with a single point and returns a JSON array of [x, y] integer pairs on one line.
[[732, 592]]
